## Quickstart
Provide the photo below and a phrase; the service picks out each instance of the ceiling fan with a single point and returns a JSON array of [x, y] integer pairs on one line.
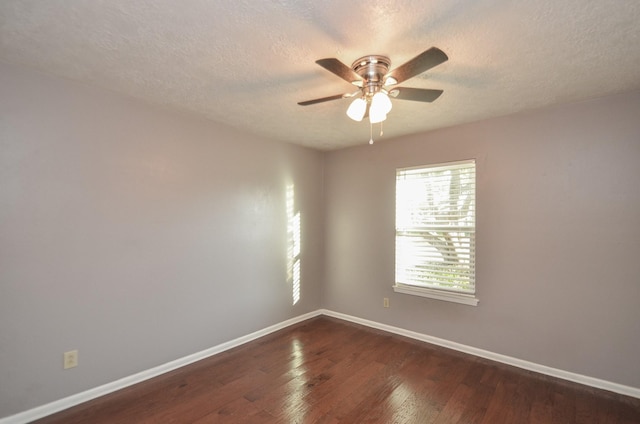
[[376, 83]]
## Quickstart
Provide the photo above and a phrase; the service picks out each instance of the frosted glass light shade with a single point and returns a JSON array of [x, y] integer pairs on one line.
[[380, 106], [357, 109], [381, 102], [376, 117]]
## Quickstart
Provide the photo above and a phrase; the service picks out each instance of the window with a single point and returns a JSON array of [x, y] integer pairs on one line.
[[435, 231]]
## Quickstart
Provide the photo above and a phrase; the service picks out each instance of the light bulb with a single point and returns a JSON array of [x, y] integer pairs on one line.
[[357, 109]]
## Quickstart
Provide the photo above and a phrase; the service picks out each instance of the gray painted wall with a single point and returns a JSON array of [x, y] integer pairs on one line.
[[136, 235], [558, 236]]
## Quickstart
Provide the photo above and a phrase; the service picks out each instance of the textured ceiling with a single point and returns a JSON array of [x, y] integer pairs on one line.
[[247, 63]]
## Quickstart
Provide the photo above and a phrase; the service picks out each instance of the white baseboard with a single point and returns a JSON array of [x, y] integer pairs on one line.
[[68, 402], [531, 366]]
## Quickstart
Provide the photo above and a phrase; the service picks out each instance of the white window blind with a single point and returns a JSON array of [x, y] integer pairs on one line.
[[435, 227]]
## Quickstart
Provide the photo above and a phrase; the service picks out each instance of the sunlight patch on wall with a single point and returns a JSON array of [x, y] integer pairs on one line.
[[293, 244]]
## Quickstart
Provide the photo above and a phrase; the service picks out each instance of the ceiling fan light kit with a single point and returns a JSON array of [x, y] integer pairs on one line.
[[372, 76]]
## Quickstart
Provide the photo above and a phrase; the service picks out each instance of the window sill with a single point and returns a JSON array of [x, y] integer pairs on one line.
[[465, 299]]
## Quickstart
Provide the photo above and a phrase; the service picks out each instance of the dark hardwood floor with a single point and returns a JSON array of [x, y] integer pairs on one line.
[[329, 371]]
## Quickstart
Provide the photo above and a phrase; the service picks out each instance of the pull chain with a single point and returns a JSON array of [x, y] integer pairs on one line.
[[370, 133]]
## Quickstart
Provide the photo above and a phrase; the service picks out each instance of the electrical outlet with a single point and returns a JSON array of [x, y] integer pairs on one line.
[[385, 302], [70, 359]]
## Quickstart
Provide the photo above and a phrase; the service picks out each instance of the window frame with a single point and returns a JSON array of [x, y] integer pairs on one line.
[[461, 297]]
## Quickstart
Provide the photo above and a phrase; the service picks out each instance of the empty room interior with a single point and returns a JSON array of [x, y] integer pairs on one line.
[[188, 181]]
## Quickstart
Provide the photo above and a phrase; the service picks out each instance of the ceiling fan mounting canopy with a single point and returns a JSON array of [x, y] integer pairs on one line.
[[372, 70]]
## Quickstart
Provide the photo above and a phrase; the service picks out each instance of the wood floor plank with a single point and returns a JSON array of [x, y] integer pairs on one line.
[[327, 371], [237, 411]]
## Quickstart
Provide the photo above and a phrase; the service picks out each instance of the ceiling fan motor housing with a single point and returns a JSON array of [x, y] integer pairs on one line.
[[372, 69]]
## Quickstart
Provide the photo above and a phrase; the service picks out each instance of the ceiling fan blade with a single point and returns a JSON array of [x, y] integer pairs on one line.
[[338, 68], [415, 94], [424, 61], [323, 99]]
